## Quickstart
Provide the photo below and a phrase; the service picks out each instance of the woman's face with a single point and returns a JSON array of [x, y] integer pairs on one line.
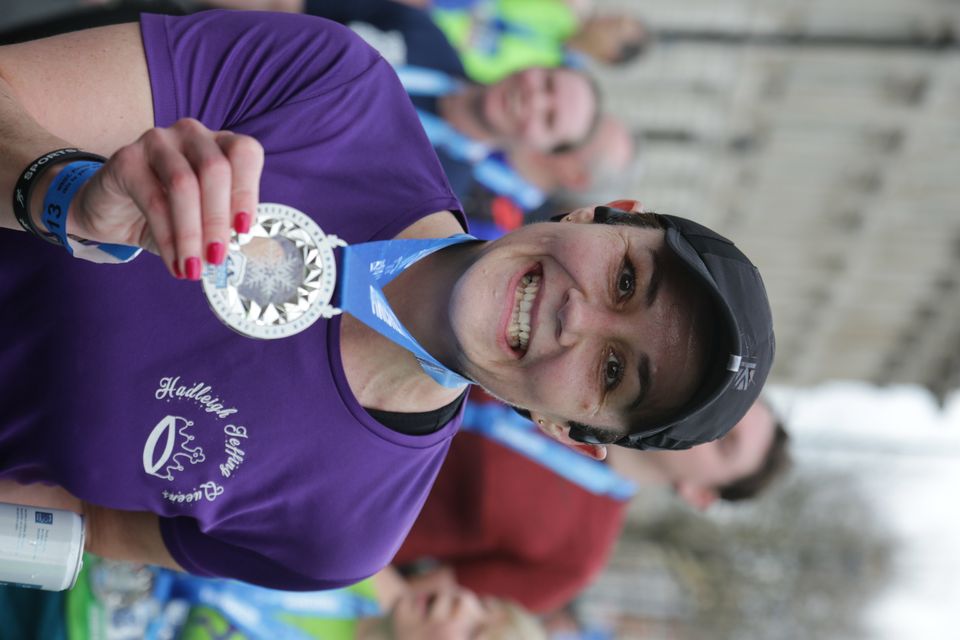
[[447, 615], [595, 323]]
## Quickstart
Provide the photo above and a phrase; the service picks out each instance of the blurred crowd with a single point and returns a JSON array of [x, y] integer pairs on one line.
[[504, 92]]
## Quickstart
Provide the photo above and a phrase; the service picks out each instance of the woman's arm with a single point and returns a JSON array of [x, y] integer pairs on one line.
[[174, 190], [119, 535], [87, 89], [126, 535]]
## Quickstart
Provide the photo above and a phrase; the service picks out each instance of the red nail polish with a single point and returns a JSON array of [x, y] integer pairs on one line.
[[242, 222], [192, 266], [215, 252], [176, 270]]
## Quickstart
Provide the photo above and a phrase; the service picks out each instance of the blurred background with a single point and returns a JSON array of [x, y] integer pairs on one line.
[[824, 136], [859, 541]]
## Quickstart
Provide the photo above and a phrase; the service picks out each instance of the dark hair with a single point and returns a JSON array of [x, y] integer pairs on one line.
[[609, 215], [775, 463]]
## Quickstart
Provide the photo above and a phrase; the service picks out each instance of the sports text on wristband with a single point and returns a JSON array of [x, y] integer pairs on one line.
[[31, 175], [64, 187]]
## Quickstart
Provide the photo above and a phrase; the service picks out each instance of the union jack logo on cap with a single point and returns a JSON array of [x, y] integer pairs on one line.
[[745, 375]]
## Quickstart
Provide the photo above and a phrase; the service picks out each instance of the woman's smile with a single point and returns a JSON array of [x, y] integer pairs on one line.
[[519, 326]]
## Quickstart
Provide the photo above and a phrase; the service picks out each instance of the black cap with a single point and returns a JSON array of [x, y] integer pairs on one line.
[[743, 349]]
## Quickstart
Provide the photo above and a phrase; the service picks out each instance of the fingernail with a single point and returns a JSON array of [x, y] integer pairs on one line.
[[242, 222], [176, 270], [192, 266], [215, 252]]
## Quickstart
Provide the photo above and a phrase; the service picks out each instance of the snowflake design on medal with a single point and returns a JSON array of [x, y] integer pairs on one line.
[[274, 270]]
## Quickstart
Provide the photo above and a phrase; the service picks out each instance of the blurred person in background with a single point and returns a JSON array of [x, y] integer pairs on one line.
[[476, 129], [509, 511], [113, 600], [516, 175]]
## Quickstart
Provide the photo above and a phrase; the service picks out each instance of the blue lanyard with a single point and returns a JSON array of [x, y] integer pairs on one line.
[[369, 266], [505, 426]]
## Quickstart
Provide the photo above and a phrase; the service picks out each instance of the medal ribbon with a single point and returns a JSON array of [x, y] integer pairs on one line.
[[505, 426], [366, 268]]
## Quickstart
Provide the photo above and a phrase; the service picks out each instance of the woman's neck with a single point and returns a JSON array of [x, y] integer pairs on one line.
[[384, 375], [420, 296]]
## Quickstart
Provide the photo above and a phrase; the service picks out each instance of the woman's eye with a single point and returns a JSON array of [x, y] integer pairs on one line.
[[612, 371], [626, 281]]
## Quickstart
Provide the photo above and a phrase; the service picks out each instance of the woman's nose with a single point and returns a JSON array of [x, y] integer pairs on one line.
[[578, 318]]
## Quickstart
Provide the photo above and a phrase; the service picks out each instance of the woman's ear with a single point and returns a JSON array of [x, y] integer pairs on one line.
[[586, 214], [633, 206], [583, 214], [561, 433]]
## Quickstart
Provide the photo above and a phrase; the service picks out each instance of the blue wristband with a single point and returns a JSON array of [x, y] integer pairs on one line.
[[56, 203]]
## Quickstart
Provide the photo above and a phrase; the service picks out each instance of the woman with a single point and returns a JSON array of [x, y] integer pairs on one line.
[[301, 463]]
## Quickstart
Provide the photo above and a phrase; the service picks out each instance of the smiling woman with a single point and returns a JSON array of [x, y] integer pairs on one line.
[[301, 463], [607, 332]]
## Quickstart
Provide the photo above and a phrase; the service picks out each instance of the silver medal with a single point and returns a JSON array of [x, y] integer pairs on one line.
[[276, 280]]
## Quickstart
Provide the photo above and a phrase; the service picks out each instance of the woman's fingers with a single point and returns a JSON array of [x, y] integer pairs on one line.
[[211, 179], [214, 175], [150, 198], [181, 184], [246, 163]]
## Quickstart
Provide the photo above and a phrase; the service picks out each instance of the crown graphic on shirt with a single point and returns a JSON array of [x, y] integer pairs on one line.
[[166, 449]]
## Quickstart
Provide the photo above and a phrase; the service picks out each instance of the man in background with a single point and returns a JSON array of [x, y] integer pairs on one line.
[[509, 513]]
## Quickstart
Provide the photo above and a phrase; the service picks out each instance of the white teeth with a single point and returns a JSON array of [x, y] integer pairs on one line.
[[518, 333]]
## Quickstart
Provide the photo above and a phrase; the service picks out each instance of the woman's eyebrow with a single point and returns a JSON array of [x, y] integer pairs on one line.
[[656, 275], [643, 372]]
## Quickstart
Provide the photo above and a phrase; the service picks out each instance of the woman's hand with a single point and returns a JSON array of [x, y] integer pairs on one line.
[[174, 192]]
